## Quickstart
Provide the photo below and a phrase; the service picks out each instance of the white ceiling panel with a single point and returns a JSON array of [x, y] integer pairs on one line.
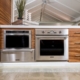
[[59, 13], [72, 4], [56, 10], [66, 9]]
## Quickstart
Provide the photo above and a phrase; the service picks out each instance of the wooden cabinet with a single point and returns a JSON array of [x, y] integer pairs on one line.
[[74, 45], [5, 12]]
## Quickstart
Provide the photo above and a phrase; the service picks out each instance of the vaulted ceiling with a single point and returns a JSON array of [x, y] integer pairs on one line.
[[54, 10]]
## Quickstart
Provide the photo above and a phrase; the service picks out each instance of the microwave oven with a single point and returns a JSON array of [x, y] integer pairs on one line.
[[17, 39]]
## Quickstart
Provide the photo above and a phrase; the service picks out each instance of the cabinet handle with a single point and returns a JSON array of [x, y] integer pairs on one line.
[[77, 55], [77, 33], [17, 59], [77, 43]]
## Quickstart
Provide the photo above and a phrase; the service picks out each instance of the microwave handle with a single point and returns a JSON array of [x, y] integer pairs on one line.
[[18, 34]]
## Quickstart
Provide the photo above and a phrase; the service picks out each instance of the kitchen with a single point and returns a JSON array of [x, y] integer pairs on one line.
[[44, 37], [46, 40], [39, 43]]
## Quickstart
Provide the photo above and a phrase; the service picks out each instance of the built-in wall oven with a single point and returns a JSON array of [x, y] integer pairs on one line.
[[51, 44], [17, 39], [17, 46]]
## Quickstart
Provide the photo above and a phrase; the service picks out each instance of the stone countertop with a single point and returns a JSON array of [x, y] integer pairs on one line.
[[33, 26]]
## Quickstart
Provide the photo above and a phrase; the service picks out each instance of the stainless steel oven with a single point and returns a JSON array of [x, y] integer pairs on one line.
[[17, 39], [51, 44]]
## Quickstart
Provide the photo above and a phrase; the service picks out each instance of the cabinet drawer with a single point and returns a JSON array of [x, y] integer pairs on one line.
[[74, 53], [74, 42], [74, 59], [74, 32], [17, 56]]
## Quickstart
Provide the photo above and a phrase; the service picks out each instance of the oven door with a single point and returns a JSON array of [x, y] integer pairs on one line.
[[51, 48]]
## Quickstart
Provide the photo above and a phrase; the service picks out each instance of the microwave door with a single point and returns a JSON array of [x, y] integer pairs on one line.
[[17, 41]]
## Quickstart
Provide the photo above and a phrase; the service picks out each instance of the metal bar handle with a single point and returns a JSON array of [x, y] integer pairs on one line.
[[78, 55], [77, 43], [77, 33]]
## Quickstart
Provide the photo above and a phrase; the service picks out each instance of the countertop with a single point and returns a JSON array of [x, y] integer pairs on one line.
[[34, 26]]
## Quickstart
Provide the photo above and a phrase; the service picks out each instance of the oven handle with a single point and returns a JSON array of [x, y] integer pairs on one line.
[[56, 37]]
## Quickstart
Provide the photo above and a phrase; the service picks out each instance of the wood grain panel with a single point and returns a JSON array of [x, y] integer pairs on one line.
[[74, 59], [74, 32], [74, 42], [74, 52], [74, 55], [0, 38], [32, 37], [74, 45], [5, 12]]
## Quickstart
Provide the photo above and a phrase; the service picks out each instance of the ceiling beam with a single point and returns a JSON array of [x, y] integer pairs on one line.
[[35, 8], [59, 16], [77, 19], [31, 5], [54, 17]]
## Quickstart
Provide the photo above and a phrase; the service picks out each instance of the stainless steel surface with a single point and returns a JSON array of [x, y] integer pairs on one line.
[[17, 34], [48, 34], [17, 55], [51, 32]]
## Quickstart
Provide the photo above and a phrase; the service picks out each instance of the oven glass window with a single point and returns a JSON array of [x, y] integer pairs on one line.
[[17, 41], [51, 47]]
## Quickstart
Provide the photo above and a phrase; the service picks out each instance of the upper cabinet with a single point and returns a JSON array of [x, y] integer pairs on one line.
[[5, 12]]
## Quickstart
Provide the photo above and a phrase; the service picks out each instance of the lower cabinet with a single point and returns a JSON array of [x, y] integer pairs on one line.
[[17, 56], [74, 55], [74, 45]]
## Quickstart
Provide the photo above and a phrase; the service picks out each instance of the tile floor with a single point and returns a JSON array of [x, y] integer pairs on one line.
[[40, 73]]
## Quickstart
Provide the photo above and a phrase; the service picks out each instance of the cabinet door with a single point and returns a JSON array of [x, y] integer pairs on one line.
[[74, 42], [74, 54], [5, 12], [74, 49], [74, 32]]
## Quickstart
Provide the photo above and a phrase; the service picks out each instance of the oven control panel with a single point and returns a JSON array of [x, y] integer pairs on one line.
[[51, 31]]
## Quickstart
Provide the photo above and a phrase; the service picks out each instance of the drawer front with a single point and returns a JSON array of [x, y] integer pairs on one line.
[[74, 55], [74, 59], [74, 32], [74, 42], [17, 56]]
